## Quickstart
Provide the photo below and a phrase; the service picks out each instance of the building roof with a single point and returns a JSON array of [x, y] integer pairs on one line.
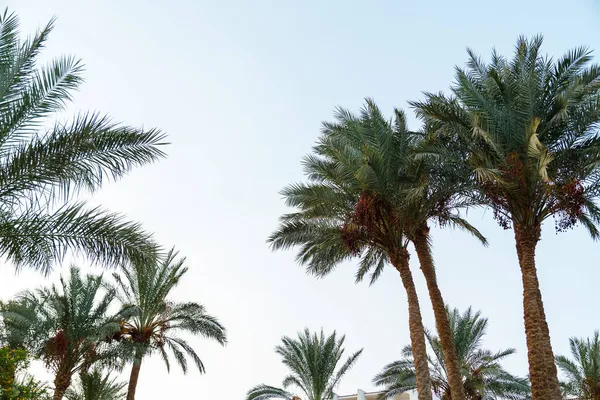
[[371, 396]]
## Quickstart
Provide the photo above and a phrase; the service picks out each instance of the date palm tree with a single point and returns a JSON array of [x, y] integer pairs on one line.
[[583, 370], [367, 197], [154, 328], [97, 385], [41, 170], [313, 360], [68, 325], [483, 377], [529, 133]]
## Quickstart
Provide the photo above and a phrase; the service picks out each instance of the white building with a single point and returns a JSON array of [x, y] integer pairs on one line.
[[361, 395]]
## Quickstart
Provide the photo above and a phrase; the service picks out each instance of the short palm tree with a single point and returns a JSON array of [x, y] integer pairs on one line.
[[483, 377], [367, 197], [583, 370], [97, 385], [155, 326], [528, 128], [69, 324], [41, 171], [314, 363]]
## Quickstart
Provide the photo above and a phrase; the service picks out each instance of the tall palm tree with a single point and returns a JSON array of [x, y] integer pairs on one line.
[[368, 197], [97, 385], [483, 377], [155, 326], [313, 360], [583, 370], [528, 127], [68, 324], [42, 170]]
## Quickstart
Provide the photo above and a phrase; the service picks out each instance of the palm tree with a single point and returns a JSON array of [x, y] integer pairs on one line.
[[483, 377], [68, 324], [527, 127], [368, 197], [42, 171], [583, 371], [155, 325], [96, 385], [313, 363]]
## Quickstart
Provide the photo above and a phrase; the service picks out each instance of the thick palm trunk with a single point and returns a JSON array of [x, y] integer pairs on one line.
[[542, 369], [62, 381], [400, 260], [133, 378], [421, 242]]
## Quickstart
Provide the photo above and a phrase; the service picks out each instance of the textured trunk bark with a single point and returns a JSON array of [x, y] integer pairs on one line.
[[62, 381], [421, 242], [133, 379], [542, 369], [400, 260]]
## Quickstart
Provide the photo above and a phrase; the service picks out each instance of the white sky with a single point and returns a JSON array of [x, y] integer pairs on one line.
[[241, 89]]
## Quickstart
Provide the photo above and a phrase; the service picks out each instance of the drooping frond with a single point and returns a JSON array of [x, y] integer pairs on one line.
[[41, 171]]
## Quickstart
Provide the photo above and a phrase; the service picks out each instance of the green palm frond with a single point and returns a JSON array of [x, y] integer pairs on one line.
[[41, 171], [314, 364], [582, 370], [483, 376], [264, 392], [38, 238]]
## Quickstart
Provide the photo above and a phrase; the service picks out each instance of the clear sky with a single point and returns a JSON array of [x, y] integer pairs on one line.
[[241, 87]]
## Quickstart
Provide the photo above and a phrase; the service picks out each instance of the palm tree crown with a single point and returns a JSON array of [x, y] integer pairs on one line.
[[531, 130], [582, 372], [68, 324], [40, 172], [155, 326], [312, 360], [96, 385], [483, 376], [528, 133]]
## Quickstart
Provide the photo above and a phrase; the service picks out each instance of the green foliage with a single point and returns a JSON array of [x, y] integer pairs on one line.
[[42, 170], [314, 364], [582, 372], [483, 376], [367, 194], [13, 363], [96, 385], [157, 322], [527, 130], [68, 324]]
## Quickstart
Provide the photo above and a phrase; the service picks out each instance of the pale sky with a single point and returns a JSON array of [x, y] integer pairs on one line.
[[241, 88]]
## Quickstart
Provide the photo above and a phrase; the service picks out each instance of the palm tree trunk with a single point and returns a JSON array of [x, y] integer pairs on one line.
[[542, 369], [421, 242], [133, 378], [400, 260], [62, 381]]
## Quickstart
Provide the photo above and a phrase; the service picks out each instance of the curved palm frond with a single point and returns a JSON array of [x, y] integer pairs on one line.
[[41, 171]]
